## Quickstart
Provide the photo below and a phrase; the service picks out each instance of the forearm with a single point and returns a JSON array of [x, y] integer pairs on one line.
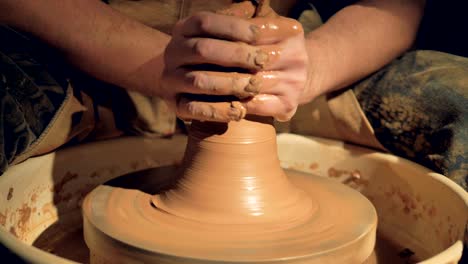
[[359, 40], [95, 38]]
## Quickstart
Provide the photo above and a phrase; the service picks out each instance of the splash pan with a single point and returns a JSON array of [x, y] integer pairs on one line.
[[421, 214]]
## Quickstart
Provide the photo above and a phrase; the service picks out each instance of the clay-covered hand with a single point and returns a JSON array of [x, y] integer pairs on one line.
[[263, 63]]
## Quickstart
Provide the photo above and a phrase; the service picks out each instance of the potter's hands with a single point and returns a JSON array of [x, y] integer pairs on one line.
[[270, 51]]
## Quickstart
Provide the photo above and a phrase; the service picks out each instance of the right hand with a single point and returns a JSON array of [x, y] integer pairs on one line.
[[269, 85]]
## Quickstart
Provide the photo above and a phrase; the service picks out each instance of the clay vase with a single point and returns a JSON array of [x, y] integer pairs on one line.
[[231, 201], [231, 173]]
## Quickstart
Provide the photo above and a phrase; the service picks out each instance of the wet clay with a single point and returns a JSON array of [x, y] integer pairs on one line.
[[210, 111], [231, 201], [230, 176], [72, 246]]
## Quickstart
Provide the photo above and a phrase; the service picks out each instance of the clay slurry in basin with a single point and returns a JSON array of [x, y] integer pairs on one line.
[[232, 202]]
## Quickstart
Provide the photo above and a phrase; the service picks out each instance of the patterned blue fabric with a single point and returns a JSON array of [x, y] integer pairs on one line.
[[418, 107], [29, 95]]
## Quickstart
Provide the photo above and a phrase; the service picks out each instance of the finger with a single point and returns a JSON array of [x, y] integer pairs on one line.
[[264, 9], [258, 31], [268, 30], [271, 105], [244, 9], [247, 9], [206, 24], [210, 111], [227, 54], [241, 85]]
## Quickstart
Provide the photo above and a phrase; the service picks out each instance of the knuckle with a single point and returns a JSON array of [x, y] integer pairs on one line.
[[299, 83], [198, 81], [304, 60], [191, 108], [202, 47], [289, 109], [288, 106], [295, 84], [253, 108], [243, 51], [297, 55], [295, 25], [180, 112], [203, 21], [168, 81], [186, 109], [184, 116], [170, 102], [177, 29], [301, 60], [168, 53]]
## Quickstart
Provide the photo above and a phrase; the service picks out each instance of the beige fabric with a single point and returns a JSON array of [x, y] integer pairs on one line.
[[153, 116], [60, 129], [163, 14], [350, 121], [81, 119], [337, 117]]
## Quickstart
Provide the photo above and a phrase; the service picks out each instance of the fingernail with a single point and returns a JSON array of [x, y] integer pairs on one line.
[[286, 117], [237, 111], [253, 86], [261, 58], [254, 29]]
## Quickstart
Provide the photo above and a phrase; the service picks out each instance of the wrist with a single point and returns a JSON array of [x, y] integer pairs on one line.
[[13, 13], [148, 77], [318, 73], [140, 64]]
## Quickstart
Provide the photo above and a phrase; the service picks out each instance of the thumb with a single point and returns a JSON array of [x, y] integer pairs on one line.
[[247, 9]]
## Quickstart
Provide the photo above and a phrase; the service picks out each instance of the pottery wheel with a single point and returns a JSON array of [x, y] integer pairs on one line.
[[231, 203], [223, 209]]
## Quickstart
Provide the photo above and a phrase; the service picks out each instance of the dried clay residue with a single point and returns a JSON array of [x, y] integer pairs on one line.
[[58, 187], [49, 208], [301, 166], [352, 178], [13, 231], [313, 166], [21, 217], [3, 217], [24, 214], [411, 205], [33, 197], [10, 194]]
